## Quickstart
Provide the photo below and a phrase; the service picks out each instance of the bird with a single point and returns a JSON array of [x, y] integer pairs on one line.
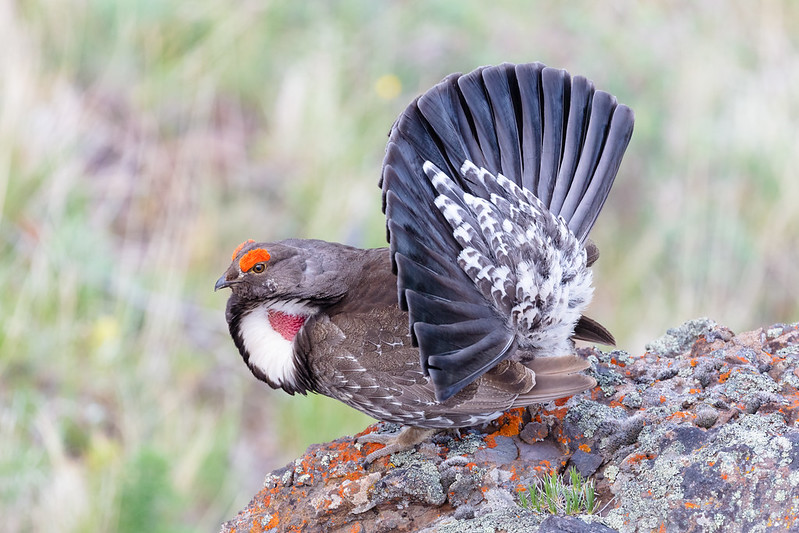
[[491, 182]]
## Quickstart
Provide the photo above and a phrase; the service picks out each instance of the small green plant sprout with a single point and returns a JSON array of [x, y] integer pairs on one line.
[[560, 494]]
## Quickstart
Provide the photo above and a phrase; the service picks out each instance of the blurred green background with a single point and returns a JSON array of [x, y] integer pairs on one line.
[[142, 140]]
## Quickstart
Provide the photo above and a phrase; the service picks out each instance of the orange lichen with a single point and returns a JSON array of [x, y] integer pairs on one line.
[[298, 528], [691, 505], [370, 447], [638, 457], [367, 431], [511, 423], [273, 522], [558, 413], [253, 257], [584, 447], [724, 376], [239, 248]]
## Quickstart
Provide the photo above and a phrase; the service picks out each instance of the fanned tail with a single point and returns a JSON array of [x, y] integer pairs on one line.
[[551, 135]]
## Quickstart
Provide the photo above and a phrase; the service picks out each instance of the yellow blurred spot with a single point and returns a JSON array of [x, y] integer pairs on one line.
[[102, 454], [388, 86], [105, 329]]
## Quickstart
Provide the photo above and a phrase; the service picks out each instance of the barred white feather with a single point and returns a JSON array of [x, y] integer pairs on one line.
[[523, 259]]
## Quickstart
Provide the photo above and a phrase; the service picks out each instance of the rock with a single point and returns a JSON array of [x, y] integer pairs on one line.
[[586, 463], [503, 453], [706, 416], [698, 434], [570, 524], [534, 432], [678, 340]]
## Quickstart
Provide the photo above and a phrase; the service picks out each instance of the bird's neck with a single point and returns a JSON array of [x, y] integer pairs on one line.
[[266, 341]]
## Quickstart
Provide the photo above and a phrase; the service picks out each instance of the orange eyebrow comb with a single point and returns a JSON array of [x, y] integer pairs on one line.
[[252, 257]]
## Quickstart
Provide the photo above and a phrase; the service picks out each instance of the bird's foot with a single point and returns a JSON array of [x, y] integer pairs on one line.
[[407, 437]]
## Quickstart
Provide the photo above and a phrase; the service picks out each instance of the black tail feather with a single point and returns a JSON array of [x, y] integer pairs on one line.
[[542, 129]]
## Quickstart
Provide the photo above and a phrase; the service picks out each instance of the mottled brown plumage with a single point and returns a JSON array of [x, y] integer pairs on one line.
[[356, 347]]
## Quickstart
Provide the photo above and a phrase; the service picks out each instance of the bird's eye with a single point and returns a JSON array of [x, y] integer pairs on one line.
[[258, 268]]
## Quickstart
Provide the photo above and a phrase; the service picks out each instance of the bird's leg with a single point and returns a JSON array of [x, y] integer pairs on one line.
[[408, 437]]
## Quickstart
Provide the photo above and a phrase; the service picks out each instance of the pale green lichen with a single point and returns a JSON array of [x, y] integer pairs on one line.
[[774, 332], [632, 399], [620, 357], [680, 339], [466, 445], [754, 431], [788, 350], [606, 377], [589, 415], [510, 519], [789, 378], [325, 460], [744, 383], [412, 476]]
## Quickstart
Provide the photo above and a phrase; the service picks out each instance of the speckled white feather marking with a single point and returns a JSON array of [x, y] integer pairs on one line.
[[522, 258]]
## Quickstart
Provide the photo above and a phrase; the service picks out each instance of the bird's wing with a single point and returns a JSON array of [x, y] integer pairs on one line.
[[555, 138], [376, 370]]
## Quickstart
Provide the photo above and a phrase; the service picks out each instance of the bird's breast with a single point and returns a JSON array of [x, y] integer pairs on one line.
[[287, 325], [268, 336]]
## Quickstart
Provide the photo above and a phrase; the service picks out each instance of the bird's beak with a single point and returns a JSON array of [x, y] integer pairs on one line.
[[223, 282]]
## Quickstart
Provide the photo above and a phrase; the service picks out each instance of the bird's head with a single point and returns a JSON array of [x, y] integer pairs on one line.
[[260, 271], [276, 288], [293, 270]]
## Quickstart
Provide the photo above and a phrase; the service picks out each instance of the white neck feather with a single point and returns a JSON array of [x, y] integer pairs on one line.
[[269, 351]]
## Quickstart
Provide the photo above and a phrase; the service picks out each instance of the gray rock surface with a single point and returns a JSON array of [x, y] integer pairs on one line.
[[698, 434]]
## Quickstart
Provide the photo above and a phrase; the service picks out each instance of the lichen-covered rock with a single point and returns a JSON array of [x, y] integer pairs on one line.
[[698, 434]]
